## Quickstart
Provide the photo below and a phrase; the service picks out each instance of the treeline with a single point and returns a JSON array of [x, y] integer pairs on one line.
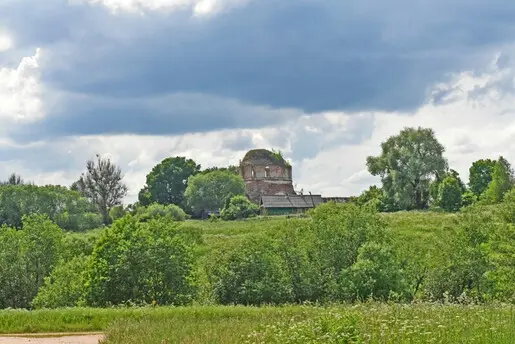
[[415, 175], [340, 253]]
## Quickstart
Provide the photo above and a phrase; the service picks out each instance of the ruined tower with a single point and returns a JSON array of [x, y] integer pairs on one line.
[[265, 173]]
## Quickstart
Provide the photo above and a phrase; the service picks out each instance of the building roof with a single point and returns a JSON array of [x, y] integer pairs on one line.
[[291, 201], [263, 157]]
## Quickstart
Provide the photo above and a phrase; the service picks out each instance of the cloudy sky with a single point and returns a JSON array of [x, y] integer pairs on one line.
[[324, 81]]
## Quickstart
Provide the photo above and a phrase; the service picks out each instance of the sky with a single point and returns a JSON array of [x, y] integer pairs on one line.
[[325, 82]]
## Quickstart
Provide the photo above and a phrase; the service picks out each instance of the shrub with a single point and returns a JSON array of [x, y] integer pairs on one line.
[[251, 273], [239, 207], [65, 285], [141, 262], [156, 210], [449, 194]]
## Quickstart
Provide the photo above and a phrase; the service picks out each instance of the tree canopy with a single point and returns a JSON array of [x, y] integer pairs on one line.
[[408, 163], [208, 191], [102, 184], [480, 175], [167, 181]]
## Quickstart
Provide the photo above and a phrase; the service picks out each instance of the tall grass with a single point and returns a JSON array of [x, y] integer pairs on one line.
[[366, 323]]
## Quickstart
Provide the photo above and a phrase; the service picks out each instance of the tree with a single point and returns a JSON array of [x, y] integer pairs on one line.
[[502, 181], [231, 168], [167, 182], [13, 179], [450, 194], [408, 163], [65, 207], [208, 191], [480, 175], [102, 184], [238, 207], [141, 262]]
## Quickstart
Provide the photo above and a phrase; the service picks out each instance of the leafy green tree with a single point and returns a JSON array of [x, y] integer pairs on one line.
[[156, 210], [66, 208], [376, 273], [408, 163], [102, 184], [450, 194], [208, 191], [251, 273], [459, 262], [167, 182], [239, 207], [27, 256], [374, 196], [502, 181], [231, 168], [117, 213], [13, 179], [141, 262], [480, 175], [65, 286]]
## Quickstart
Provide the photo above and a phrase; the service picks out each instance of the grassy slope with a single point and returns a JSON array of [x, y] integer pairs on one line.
[[416, 230]]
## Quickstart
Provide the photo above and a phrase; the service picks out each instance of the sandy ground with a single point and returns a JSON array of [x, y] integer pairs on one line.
[[51, 339]]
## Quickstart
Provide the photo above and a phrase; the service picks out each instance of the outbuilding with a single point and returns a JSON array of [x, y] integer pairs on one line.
[[288, 204]]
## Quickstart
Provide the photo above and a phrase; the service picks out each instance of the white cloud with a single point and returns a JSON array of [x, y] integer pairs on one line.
[[20, 92], [475, 119], [6, 41], [198, 7]]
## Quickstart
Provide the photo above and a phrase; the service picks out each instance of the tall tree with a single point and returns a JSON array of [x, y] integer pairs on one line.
[[408, 163], [167, 181], [208, 191], [480, 175], [102, 184], [502, 181], [14, 179]]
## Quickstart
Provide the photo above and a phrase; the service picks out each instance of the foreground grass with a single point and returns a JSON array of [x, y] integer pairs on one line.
[[371, 323], [363, 323]]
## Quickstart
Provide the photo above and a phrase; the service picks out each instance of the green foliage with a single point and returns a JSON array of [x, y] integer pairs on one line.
[[468, 198], [156, 210], [209, 191], [238, 207], [27, 256], [329, 327], [232, 169], [117, 213], [450, 194], [65, 286], [140, 262], [373, 197], [502, 181], [167, 181], [325, 258], [407, 165], [250, 273], [102, 185], [65, 207], [480, 175]]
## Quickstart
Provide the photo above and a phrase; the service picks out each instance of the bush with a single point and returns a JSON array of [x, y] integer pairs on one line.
[[251, 273], [141, 262], [239, 207], [449, 194], [156, 210], [65, 285]]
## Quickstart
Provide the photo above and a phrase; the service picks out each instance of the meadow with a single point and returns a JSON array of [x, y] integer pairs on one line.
[[415, 234], [359, 323]]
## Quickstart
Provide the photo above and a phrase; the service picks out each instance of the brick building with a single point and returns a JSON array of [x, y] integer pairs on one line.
[[266, 173]]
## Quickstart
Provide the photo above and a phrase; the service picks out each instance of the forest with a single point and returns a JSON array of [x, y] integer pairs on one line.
[[399, 263]]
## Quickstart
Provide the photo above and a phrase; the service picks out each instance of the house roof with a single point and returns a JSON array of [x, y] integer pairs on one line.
[[291, 201]]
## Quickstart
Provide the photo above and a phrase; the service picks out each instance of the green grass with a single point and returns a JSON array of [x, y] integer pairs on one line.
[[369, 323]]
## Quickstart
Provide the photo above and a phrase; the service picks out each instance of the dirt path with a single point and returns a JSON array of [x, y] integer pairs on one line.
[[52, 338]]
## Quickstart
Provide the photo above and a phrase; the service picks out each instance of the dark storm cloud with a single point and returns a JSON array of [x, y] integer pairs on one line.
[[310, 55]]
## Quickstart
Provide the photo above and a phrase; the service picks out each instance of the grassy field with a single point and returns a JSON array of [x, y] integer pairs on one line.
[[363, 323]]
